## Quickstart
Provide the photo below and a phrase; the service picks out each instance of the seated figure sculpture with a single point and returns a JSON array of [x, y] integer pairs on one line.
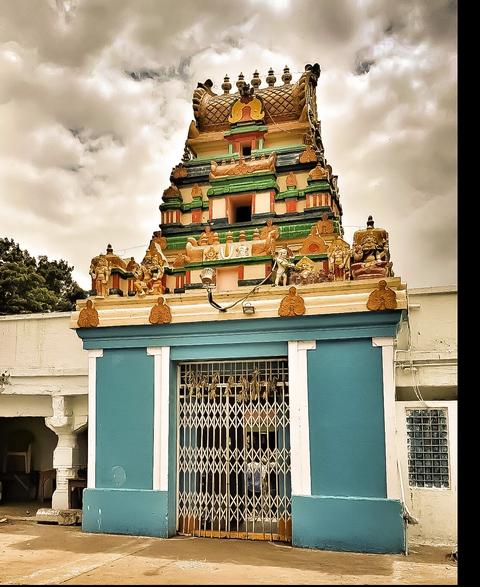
[[370, 253]]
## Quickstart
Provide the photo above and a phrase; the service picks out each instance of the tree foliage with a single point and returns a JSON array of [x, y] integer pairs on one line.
[[29, 285]]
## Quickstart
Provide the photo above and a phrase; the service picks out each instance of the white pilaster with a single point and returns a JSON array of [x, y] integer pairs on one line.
[[388, 370], [66, 458], [92, 412], [299, 421], [161, 409]]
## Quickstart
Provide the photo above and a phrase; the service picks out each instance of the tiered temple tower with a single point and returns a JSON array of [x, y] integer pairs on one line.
[[249, 265]]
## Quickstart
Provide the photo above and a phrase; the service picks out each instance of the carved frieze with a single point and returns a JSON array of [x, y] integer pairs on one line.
[[243, 166]]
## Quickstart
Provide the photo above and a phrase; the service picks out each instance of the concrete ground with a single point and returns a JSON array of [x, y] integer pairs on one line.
[[40, 554]]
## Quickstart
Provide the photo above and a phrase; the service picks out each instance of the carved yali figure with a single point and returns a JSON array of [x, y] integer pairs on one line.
[[382, 298], [292, 304], [160, 313], [88, 317]]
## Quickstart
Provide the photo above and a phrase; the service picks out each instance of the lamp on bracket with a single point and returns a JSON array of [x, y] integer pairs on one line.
[[208, 275]]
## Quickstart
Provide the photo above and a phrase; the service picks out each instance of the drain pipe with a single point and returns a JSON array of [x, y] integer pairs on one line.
[[407, 515]]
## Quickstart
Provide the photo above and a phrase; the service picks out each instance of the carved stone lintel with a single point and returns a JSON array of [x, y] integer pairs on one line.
[[292, 304], [382, 298]]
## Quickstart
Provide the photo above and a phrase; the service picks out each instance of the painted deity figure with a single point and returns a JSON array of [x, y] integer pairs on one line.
[[370, 254], [282, 264], [160, 313], [292, 304], [339, 261], [382, 298], [100, 273], [88, 317], [208, 237], [149, 276], [270, 235], [323, 226]]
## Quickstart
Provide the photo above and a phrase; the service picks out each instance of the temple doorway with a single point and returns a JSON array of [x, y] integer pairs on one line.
[[234, 478]]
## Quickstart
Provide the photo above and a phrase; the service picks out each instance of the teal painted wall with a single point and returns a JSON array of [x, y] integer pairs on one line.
[[125, 511], [345, 403], [348, 523], [124, 435], [346, 425]]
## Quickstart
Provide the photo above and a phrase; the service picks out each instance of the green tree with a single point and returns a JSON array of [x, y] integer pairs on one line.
[[28, 285]]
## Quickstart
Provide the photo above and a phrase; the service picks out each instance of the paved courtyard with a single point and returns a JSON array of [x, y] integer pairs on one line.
[[40, 554]]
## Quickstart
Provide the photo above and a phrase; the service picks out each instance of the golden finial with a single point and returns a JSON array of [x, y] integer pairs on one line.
[[256, 81], [287, 76], [226, 86], [240, 81], [271, 79]]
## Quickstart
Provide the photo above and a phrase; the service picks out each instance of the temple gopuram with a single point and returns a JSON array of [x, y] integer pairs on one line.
[[241, 380]]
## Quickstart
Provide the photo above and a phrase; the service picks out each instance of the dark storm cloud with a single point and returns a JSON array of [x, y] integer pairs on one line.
[[95, 103]]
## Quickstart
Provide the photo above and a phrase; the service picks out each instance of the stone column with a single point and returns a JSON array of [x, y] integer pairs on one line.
[[66, 458]]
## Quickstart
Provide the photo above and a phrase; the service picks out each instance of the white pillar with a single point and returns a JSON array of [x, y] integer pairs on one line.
[[161, 410], [299, 422], [92, 414], [388, 369], [66, 458]]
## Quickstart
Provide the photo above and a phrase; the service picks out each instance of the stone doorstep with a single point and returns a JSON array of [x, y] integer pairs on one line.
[[60, 517]]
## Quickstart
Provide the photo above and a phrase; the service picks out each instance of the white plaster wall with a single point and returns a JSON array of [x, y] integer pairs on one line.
[[433, 320], [435, 508], [429, 359], [40, 341], [42, 355], [262, 202]]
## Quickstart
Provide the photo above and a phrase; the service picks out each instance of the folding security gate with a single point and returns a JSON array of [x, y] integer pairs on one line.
[[234, 476]]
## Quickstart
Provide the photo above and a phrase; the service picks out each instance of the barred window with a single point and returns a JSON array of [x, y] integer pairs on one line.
[[427, 441]]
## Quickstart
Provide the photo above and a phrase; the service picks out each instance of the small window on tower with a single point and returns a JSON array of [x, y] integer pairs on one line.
[[243, 214], [246, 151]]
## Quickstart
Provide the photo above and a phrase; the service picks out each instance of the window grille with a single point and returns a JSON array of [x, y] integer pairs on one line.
[[427, 441]]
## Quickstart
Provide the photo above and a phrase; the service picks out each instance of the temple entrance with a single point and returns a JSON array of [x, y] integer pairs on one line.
[[234, 477]]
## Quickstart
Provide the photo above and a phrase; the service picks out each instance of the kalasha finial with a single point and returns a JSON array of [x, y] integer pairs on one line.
[[109, 249], [271, 79], [226, 86], [287, 76], [256, 81], [241, 81], [370, 222]]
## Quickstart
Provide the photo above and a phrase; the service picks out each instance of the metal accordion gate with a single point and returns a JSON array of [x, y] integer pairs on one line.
[[234, 478]]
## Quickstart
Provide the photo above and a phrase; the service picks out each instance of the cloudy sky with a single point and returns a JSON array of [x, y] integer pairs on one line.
[[95, 103]]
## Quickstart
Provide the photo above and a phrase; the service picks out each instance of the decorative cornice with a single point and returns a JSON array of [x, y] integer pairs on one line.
[[193, 306]]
